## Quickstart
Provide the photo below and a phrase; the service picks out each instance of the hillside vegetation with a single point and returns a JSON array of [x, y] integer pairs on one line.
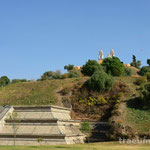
[[33, 93], [108, 92]]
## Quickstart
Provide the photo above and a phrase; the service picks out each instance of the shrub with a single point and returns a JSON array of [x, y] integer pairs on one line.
[[144, 70], [127, 71], [90, 67], [85, 127], [113, 66], [101, 100], [74, 74], [145, 96], [92, 101], [57, 76], [18, 80], [100, 81], [140, 80], [49, 75]]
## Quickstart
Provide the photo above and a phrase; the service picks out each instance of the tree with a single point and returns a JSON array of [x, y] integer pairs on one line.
[[144, 70], [135, 63], [100, 81], [113, 66], [69, 67], [148, 62], [15, 120], [86, 128], [4, 80], [90, 67]]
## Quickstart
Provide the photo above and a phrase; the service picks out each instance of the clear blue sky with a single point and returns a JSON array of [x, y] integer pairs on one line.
[[42, 35]]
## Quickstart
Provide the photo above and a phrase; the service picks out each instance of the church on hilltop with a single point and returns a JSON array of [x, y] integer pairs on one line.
[[101, 58], [101, 55]]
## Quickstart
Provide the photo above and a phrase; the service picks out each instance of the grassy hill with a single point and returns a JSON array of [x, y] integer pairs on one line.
[[59, 91], [33, 93]]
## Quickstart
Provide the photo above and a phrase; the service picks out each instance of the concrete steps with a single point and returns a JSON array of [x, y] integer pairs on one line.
[[40, 122], [99, 132]]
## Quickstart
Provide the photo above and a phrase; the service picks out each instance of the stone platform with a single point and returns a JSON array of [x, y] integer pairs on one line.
[[39, 125]]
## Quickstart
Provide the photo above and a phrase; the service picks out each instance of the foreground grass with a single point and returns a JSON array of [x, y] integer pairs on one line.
[[96, 146]]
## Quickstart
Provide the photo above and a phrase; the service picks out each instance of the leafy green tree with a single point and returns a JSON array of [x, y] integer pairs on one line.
[[15, 119], [135, 63], [86, 128], [100, 81], [90, 67], [4, 80], [69, 67], [148, 62], [113, 66]]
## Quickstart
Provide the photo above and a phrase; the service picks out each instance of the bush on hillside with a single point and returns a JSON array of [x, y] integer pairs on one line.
[[90, 67], [18, 80], [4, 80], [113, 66], [144, 70], [127, 71], [74, 74], [145, 96], [100, 81], [49, 75]]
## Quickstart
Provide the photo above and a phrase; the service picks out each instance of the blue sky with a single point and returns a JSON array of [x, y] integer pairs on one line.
[[42, 35]]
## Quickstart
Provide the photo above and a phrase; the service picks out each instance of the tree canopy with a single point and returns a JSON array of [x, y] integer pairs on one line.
[[100, 81], [148, 62], [4, 80], [113, 66], [69, 67], [135, 63], [90, 67]]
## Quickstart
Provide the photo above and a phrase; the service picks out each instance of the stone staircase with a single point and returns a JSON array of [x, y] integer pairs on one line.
[[40, 125], [99, 132]]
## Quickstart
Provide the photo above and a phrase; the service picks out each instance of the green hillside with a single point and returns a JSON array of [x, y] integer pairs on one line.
[[33, 93], [113, 105]]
